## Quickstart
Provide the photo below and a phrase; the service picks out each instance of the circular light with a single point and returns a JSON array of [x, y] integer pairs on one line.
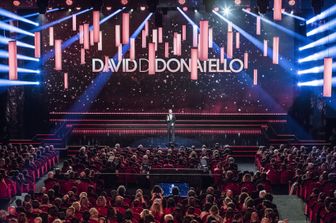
[[291, 2], [69, 2], [78, 8], [108, 8], [124, 2], [185, 8], [226, 11], [16, 3], [237, 2], [195, 10], [181, 2], [142, 8], [216, 9]]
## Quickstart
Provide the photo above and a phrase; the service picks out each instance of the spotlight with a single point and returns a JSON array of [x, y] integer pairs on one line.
[[226, 11], [237, 2], [69, 10], [216, 9], [78, 8], [291, 2], [16, 3], [185, 8], [195, 10], [69, 2], [142, 8], [181, 2], [108, 8], [124, 2]]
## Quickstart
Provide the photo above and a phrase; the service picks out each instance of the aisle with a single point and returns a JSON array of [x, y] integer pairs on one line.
[[291, 207]]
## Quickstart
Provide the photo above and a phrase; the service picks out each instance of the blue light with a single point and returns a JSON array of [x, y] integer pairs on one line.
[[4, 40], [293, 16], [319, 55], [322, 15], [315, 70], [4, 54], [325, 40], [5, 26], [5, 68], [14, 16], [5, 82], [314, 83], [327, 26]]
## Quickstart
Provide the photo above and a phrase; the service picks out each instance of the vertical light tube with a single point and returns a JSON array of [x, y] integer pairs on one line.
[[151, 58], [327, 77], [258, 29], [237, 40], [106, 66], [86, 37], [184, 32], [204, 40], [132, 49], [166, 54], [147, 28], [58, 54], [229, 26], [222, 54], [81, 34], [91, 38], [265, 48], [82, 56], [175, 44], [155, 38], [74, 23], [125, 28], [66, 81], [117, 35], [37, 41], [210, 37], [160, 35], [255, 77], [193, 70], [12, 60], [120, 56], [277, 13], [195, 35], [100, 43], [178, 44], [276, 50], [143, 39], [246, 60], [96, 26], [51, 36], [229, 45]]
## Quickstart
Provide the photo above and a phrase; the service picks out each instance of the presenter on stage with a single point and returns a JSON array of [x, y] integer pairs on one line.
[[171, 126]]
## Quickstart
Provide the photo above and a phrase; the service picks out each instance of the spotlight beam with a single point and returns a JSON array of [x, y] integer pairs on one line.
[[4, 40], [4, 54], [279, 27], [328, 12], [5, 26], [327, 26], [5, 82], [314, 83], [294, 16], [315, 70], [323, 41], [5, 68], [319, 55], [14, 16], [33, 14]]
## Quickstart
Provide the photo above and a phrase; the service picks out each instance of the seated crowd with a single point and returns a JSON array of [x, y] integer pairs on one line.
[[72, 194], [21, 166], [311, 173]]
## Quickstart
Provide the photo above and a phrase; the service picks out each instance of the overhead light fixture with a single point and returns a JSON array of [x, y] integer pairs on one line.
[[181, 2], [185, 8], [291, 2], [69, 2], [216, 9], [16, 3], [124, 2], [237, 2], [142, 8]]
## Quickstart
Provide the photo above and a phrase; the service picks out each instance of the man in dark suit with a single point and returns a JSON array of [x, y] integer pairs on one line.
[[171, 126]]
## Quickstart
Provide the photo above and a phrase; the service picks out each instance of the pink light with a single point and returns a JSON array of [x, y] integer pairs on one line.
[[229, 45], [245, 60], [222, 54], [178, 44], [265, 48], [147, 28], [184, 32], [210, 37], [277, 13], [194, 58], [96, 26], [181, 2], [117, 35], [91, 38], [12, 60], [166, 50], [66, 81], [81, 34], [258, 30], [58, 54], [185, 8], [100, 43], [160, 35], [51, 36], [230, 27], [143, 39], [86, 37], [132, 49], [37, 41], [175, 44], [155, 38], [195, 35], [237, 40], [151, 58], [125, 28], [82, 56], [255, 77], [106, 67], [327, 77], [276, 50], [74, 23], [120, 56], [204, 40]]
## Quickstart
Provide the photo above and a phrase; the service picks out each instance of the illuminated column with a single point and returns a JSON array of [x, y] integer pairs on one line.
[[143, 39], [175, 44], [327, 77], [194, 58], [100, 43], [132, 49], [276, 50], [258, 30], [96, 26], [74, 23], [66, 81], [91, 38], [265, 48], [255, 76], [229, 26], [82, 56], [125, 28], [204, 40], [51, 36], [106, 66], [229, 52], [178, 44], [147, 28], [81, 34], [155, 38], [245, 60], [117, 35], [86, 37], [58, 54], [37, 41], [160, 35], [166, 54], [222, 54], [195, 35], [210, 37], [277, 13], [184, 32], [12, 60], [151, 58], [120, 56], [237, 40]]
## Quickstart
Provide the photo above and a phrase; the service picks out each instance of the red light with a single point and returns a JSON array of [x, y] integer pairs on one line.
[[124, 2], [237, 2], [69, 2], [181, 2], [16, 3]]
